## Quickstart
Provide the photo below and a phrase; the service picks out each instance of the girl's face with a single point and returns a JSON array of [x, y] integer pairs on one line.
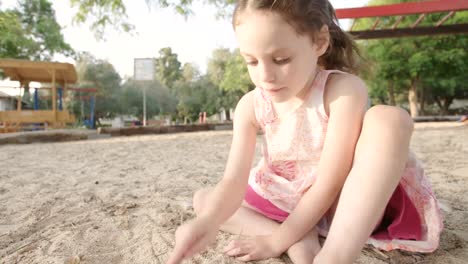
[[280, 61]]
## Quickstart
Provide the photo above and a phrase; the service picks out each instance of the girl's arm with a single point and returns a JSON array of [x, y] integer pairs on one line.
[[193, 236], [228, 194], [345, 100]]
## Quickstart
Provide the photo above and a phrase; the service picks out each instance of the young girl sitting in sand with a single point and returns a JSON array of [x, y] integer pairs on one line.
[[330, 166]]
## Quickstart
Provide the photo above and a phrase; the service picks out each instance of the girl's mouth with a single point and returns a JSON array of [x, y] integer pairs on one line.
[[274, 90]]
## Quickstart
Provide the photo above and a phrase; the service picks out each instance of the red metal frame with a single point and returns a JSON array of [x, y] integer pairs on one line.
[[400, 11], [403, 9]]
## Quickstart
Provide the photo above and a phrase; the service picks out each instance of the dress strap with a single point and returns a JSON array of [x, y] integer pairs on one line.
[[319, 89], [264, 111], [263, 108], [322, 78]]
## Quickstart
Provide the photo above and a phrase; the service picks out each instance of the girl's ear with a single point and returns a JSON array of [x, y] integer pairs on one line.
[[323, 40]]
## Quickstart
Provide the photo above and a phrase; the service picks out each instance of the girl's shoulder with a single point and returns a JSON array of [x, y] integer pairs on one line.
[[340, 79], [245, 109], [341, 84]]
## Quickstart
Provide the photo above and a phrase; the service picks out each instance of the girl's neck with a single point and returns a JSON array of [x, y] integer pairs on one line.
[[295, 102], [288, 106]]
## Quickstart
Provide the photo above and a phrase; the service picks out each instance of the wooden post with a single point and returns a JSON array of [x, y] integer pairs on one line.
[[64, 95], [54, 99], [64, 100], [18, 104]]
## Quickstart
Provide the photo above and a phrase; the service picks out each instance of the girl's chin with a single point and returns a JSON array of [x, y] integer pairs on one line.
[[278, 99]]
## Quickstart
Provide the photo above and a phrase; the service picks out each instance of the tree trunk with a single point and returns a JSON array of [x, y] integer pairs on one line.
[[439, 103], [422, 101], [413, 98], [444, 104], [391, 92], [447, 102]]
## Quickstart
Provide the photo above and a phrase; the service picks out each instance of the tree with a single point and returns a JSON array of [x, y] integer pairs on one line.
[[236, 76], [31, 32], [197, 96], [113, 12], [38, 19], [228, 71], [14, 42], [190, 72], [167, 67], [159, 99], [217, 65], [386, 76], [447, 79], [101, 75], [195, 93], [101, 14], [423, 68]]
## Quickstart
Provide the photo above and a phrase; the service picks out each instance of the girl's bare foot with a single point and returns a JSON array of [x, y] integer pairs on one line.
[[305, 250]]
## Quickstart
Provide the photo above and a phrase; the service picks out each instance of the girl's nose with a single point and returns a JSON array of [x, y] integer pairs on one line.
[[267, 73]]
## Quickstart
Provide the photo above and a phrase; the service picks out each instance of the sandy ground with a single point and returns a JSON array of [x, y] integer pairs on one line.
[[119, 200]]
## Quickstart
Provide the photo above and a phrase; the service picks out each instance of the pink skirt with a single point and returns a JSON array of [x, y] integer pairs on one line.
[[400, 220]]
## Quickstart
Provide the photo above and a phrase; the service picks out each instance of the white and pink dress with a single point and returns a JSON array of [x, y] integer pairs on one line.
[[292, 146]]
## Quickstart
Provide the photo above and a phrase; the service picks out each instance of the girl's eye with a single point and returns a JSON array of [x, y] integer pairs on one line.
[[251, 62], [281, 61]]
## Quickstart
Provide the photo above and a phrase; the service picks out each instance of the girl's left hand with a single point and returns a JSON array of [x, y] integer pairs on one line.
[[257, 248]]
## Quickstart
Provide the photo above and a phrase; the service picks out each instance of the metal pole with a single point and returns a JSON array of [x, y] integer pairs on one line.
[[36, 99], [144, 106], [92, 105]]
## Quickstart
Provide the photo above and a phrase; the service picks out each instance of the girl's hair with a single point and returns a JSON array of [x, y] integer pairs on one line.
[[308, 17]]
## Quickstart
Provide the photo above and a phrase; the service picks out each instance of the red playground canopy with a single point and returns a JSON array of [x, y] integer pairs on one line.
[[421, 8]]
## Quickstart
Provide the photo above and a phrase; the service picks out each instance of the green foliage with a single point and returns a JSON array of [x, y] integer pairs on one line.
[[198, 96], [38, 19], [159, 100], [236, 76], [228, 71], [31, 32], [183, 93], [167, 67], [190, 72], [224, 7], [115, 98], [435, 64], [101, 75], [217, 65], [14, 42], [104, 13]]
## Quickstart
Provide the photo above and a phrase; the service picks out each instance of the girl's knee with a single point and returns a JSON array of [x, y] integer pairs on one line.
[[199, 199], [390, 118]]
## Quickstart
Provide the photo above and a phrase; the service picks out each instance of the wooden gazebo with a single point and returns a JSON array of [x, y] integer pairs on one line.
[[37, 71]]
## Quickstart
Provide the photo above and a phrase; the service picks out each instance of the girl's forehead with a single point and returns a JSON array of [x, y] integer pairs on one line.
[[263, 15], [262, 24], [266, 32]]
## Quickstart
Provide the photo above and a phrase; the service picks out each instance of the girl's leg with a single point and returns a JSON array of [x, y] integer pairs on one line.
[[379, 161], [246, 221]]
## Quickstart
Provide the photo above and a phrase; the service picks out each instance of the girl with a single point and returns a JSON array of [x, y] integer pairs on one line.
[[329, 166]]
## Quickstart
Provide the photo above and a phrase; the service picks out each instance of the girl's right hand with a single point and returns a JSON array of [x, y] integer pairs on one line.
[[192, 238]]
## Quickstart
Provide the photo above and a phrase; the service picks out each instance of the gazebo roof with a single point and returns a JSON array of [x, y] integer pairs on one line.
[[4, 95], [38, 71]]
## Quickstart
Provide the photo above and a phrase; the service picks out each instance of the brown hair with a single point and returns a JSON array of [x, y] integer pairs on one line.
[[308, 17]]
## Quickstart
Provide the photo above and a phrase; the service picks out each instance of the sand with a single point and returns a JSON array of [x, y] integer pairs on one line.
[[119, 200]]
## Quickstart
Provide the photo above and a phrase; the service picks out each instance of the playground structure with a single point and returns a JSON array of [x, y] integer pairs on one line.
[[62, 74], [378, 30], [78, 96]]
